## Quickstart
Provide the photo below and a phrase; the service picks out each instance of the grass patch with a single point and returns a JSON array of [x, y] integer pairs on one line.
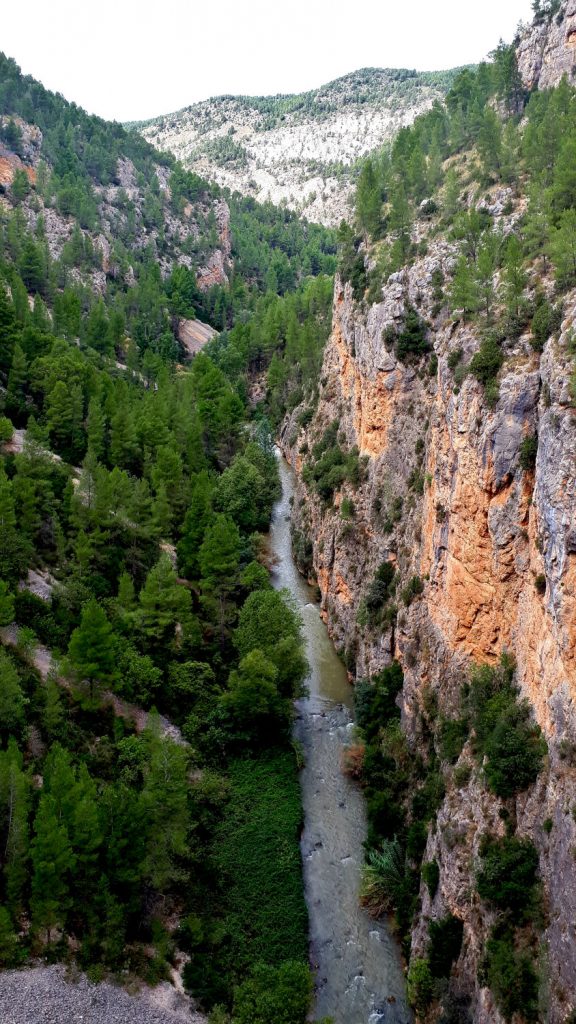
[[257, 851]]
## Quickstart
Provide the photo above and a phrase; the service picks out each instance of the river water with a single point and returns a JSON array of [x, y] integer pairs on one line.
[[359, 978]]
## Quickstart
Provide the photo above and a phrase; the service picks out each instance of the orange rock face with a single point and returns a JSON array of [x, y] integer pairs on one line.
[[8, 167]]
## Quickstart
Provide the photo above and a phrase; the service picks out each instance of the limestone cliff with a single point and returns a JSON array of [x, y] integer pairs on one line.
[[444, 496], [547, 49]]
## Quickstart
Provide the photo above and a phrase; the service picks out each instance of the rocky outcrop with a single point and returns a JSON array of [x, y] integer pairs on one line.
[[445, 498], [547, 49]]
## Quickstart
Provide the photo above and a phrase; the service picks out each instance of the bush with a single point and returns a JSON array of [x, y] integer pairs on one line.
[[381, 589], [274, 993], [375, 702], [505, 738], [511, 977], [528, 453], [412, 340], [431, 876], [420, 985], [515, 751], [256, 852], [453, 735], [445, 945], [455, 358], [382, 878], [413, 589], [507, 877], [487, 362]]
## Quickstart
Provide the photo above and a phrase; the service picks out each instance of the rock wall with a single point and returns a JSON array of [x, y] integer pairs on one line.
[[482, 534], [547, 49]]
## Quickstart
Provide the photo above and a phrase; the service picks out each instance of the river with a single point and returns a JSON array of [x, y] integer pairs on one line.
[[359, 977]]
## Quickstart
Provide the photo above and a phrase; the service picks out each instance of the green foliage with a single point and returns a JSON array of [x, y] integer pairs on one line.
[[431, 876], [453, 734], [506, 740], [507, 876], [257, 854], [487, 362], [412, 341], [511, 977], [380, 590], [91, 648], [420, 985], [383, 878], [445, 944], [280, 993], [528, 453]]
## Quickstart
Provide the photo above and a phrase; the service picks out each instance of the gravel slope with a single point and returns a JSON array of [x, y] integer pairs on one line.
[[48, 995]]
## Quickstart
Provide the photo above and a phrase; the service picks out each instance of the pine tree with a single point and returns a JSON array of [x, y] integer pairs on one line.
[[219, 559], [17, 379], [369, 200], [562, 248], [6, 604], [13, 555], [52, 864], [91, 649], [197, 519], [12, 699], [464, 294], [95, 427], [162, 604], [165, 803], [15, 798]]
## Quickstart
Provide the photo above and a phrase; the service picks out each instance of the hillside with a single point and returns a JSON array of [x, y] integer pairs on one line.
[[299, 150], [144, 713]]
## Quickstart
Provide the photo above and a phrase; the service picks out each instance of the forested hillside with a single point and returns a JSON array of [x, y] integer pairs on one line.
[[148, 669]]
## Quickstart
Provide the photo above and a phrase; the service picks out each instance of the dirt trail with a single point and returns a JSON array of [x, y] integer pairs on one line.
[[43, 661]]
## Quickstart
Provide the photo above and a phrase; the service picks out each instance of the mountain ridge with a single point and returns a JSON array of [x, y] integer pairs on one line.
[[299, 150]]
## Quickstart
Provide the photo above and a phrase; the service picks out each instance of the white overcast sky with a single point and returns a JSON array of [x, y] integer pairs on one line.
[[132, 59]]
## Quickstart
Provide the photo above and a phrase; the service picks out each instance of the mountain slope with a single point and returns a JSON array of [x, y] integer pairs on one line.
[[131, 497], [298, 149]]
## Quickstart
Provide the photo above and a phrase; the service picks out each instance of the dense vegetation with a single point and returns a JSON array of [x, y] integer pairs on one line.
[[137, 491], [403, 793]]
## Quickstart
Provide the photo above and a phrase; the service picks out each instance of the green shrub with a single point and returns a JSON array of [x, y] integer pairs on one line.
[[487, 362], [445, 945], [413, 589], [507, 876], [528, 453], [375, 702], [257, 852], [274, 993], [508, 743], [412, 340], [453, 734], [431, 876], [511, 976], [383, 878], [455, 358], [381, 589], [420, 985], [514, 751]]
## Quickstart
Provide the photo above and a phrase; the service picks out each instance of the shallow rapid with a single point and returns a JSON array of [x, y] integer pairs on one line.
[[359, 978]]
